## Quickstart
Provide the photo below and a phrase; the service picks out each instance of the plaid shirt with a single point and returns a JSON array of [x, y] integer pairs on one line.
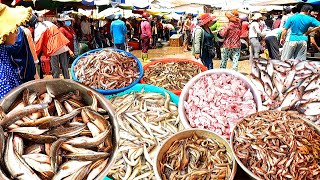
[[231, 33]]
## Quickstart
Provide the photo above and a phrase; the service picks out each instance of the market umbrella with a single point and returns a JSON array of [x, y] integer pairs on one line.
[[67, 0], [276, 2], [314, 2], [95, 2], [109, 12]]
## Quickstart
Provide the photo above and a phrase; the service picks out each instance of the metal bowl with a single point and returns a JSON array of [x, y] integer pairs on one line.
[[186, 134], [185, 92], [248, 172], [59, 86]]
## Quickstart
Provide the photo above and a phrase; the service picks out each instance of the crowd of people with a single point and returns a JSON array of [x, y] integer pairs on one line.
[[26, 40], [284, 36]]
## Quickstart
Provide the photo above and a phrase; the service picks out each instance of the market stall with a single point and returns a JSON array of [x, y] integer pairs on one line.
[[182, 122]]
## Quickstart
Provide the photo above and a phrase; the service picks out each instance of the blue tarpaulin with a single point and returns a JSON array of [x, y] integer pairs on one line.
[[119, 1], [180, 12], [139, 7], [314, 2], [96, 2]]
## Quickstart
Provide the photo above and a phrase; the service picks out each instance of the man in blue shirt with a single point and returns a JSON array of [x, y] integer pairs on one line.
[[118, 31], [299, 25]]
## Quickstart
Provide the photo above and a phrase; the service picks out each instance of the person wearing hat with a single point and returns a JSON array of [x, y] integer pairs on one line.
[[10, 19], [254, 34], [118, 30], [232, 44], [187, 32], [52, 43], [202, 46], [67, 30], [22, 52], [146, 35]]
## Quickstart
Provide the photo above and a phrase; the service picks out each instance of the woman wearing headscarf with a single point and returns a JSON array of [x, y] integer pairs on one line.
[[10, 19], [22, 54], [202, 46], [145, 37], [232, 44]]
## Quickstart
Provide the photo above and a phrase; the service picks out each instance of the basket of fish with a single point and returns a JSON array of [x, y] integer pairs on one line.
[[216, 100], [277, 145], [289, 85], [171, 74], [195, 154], [56, 129], [108, 71], [147, 115]]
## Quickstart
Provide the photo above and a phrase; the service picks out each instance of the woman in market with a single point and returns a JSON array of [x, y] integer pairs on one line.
[[202, 46], [67, 30], [24, 55], [10, 19], [145, 37], [232, 44]]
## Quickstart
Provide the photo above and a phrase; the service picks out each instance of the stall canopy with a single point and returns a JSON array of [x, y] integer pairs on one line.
[[109, 13], [96, 2], [276, 2], [314, 2]]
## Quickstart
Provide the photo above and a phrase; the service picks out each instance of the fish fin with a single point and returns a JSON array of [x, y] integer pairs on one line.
[[2, 114]]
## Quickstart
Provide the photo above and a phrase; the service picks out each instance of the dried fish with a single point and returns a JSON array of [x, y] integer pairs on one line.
[[107, 69], [278, 145], [171, 75]]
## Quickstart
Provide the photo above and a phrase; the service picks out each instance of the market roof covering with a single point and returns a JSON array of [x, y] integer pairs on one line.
[[276, 2]]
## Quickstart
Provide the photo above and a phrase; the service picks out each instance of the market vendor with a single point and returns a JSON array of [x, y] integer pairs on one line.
[[52, 43], [10, 19]]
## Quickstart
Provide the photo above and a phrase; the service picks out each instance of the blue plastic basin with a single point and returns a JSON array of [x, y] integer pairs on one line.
[[114, 91], [147, 88]]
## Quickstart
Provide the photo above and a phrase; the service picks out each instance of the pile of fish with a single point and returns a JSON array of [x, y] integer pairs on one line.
[[47, 136], [171, 75], [145, 120], [107, 69], [217, 102], [278, 145], [289, 85], [196, 158]]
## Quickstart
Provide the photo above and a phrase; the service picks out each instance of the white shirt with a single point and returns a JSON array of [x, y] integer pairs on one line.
[[85, 27], [61, 50], [284, 20], [274, 32], [254, 30]]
